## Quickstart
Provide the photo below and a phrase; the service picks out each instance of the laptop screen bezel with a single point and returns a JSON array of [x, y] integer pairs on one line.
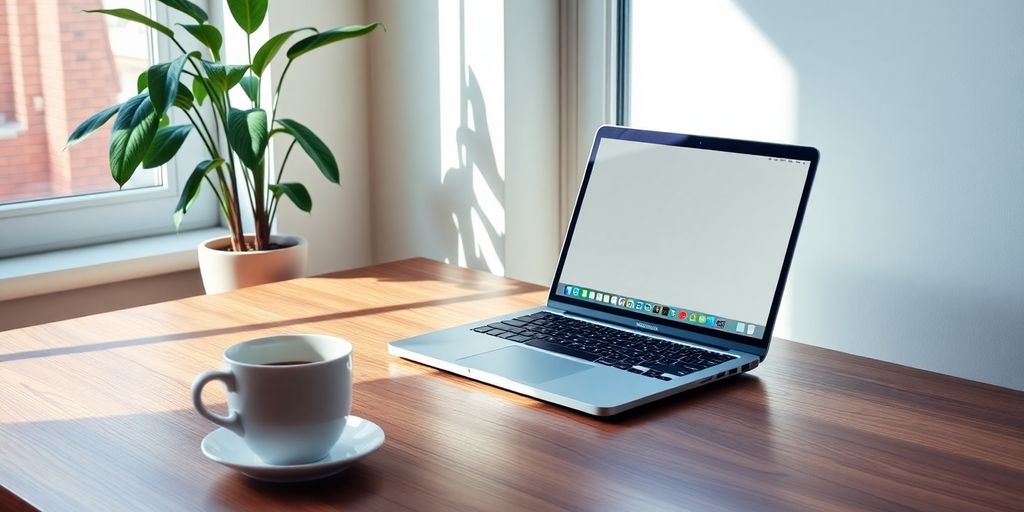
[[714, 337]]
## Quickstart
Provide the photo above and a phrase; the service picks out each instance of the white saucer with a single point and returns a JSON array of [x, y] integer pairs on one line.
[[359, 439]]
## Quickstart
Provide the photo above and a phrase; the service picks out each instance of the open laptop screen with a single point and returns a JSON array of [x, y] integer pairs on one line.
[[691, 236]]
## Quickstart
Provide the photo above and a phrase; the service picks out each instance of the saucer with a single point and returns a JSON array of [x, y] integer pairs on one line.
[[359, 439]]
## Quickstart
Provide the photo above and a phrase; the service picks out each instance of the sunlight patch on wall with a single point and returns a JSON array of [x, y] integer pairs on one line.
[[486, 251], [472, 127], [461, 253], [705, 68]]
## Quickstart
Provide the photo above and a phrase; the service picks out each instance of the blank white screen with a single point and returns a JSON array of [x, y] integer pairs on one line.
[[692, 228]]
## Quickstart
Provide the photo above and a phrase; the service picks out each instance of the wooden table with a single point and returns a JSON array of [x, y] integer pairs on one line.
[[95, 415]]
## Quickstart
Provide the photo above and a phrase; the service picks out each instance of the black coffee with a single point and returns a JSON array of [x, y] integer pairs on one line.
[[288, 363]]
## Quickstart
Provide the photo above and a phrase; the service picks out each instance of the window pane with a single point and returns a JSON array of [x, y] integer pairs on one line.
[[705, 68], [58, 66]]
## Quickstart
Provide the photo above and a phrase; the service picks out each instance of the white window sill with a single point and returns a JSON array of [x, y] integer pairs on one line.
[[36, 274]]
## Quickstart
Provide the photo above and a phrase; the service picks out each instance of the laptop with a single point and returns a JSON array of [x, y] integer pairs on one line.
[[670, 276]]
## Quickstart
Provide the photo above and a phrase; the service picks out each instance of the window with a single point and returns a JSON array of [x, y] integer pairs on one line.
[[589, 87], [58, 66], [703, 68]]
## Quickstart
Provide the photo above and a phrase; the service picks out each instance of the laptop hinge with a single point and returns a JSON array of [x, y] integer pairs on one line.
[[630, 325]]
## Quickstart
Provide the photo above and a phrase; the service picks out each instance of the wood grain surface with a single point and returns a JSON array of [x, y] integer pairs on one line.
[[95, 415]]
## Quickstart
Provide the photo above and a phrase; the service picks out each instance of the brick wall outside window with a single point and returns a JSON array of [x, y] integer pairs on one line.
[[56, 69]]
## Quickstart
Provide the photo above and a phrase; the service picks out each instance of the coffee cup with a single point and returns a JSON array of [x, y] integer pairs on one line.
[[288, 396]]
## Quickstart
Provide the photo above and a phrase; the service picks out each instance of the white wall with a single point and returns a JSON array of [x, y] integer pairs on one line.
[[533, 237], [914, 238], [326, 90], [464, 134], [913, 244], [914, 241]]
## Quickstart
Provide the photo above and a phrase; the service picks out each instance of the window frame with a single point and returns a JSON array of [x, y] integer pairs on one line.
[[48, 224], [590, 83], [623, 49]]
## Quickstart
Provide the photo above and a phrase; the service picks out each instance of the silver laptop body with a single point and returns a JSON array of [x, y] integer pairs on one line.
[[670, 276]]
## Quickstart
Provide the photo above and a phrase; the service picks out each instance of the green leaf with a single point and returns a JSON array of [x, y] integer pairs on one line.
[[190, 191], [208, 35], [199, 90], [270, 48], [165, 145], [165, 121], [130, 15], [142, 82], [187, 7], [247, 135], [134, 131], [164, 79], [91, 124], [330, 36], [249, 14], [183, 99], [314, 147], [251, 86], [296, 192], [223, 77], [233, 74]]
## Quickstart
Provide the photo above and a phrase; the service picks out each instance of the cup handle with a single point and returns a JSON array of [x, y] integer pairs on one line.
[[232, 421]]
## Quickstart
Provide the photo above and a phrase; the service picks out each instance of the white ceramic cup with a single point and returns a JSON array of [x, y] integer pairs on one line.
[[287, 414]]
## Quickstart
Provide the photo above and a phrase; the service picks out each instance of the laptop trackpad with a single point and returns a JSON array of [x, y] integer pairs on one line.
[[523, 364]]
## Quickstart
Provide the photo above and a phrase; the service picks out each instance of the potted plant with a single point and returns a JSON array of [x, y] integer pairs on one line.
[[237, 170]]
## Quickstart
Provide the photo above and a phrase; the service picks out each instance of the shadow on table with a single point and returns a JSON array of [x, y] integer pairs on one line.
[[520, 288], [351, 489], [748, 390], [424, 269], [746, 386], [450, 442], [152, 461]]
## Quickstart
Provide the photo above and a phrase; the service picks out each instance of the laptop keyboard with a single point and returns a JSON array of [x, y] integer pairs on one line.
[[635, 353]]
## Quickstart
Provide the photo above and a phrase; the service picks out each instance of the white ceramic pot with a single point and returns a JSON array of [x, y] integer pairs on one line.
[[225, 270]]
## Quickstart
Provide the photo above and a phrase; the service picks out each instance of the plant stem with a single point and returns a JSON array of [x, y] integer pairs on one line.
[[277, 92], [216, 101], [209, 147], [261, 238], [220, 172], [248, 179], [234, 215], [214, 152], [224, 195], [220, 200], [273, 210], [273, 118], [262, 229], [236, 231], [280, 172], [197, 74], [248, 51], [284, 161], [225, 206], [235, 219], [217, 129], [251, 189]]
